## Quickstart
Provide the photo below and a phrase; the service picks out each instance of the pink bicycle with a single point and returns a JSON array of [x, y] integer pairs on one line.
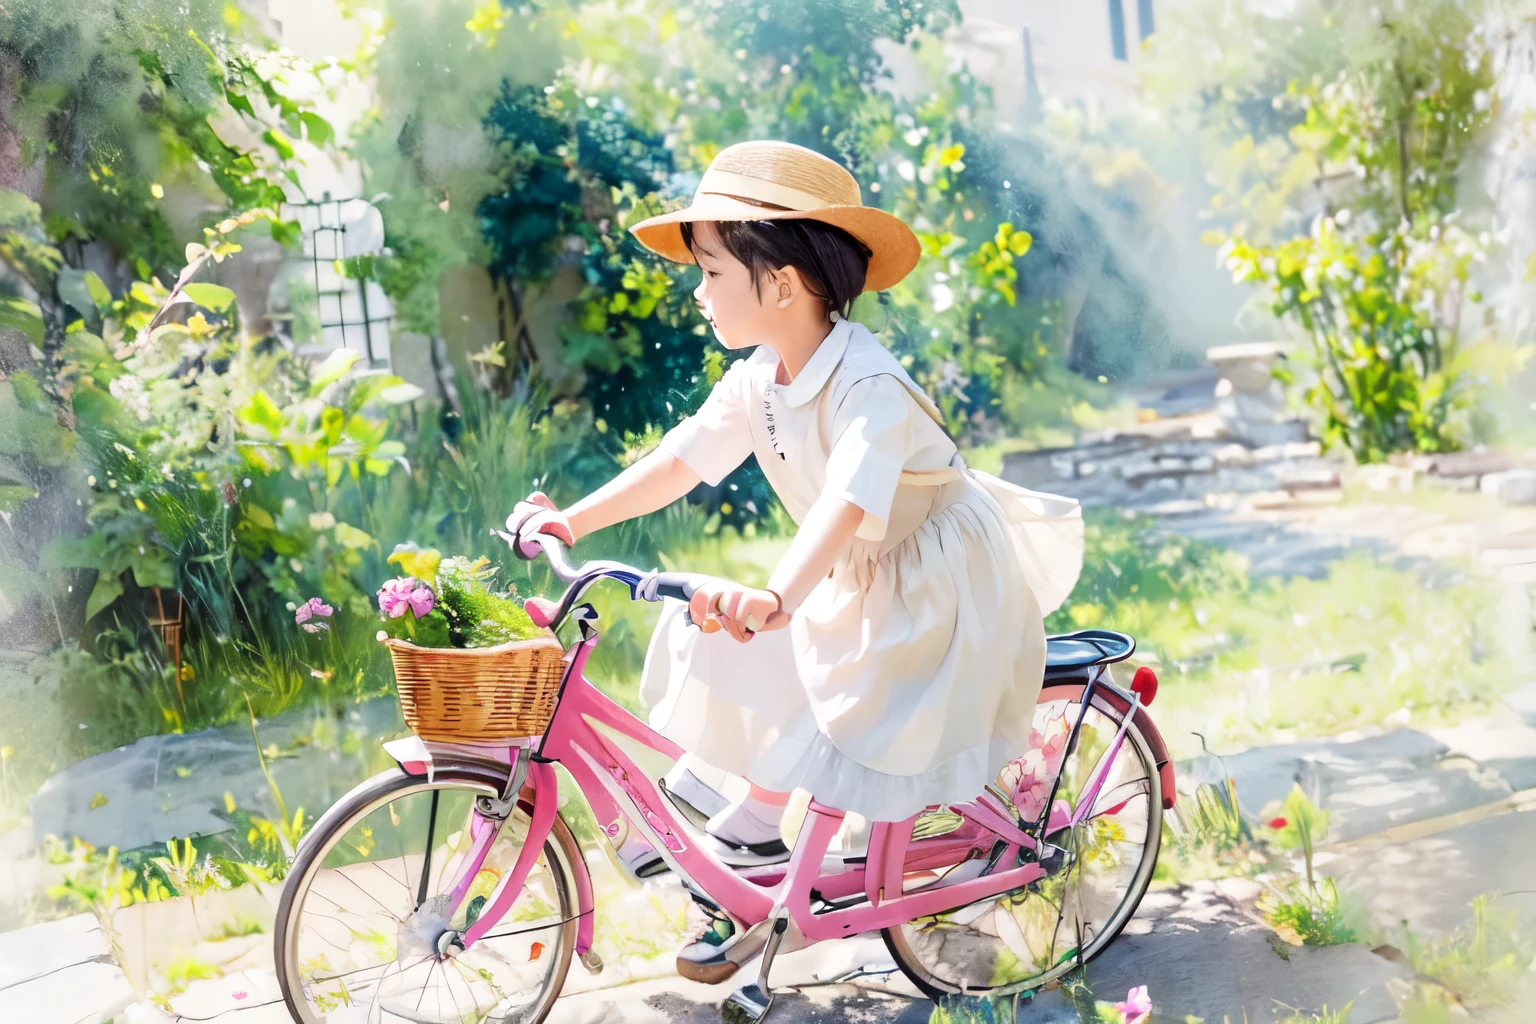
[[450, 888]]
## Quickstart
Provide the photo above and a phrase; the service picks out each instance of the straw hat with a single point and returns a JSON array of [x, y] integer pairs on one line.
[[782, 181]]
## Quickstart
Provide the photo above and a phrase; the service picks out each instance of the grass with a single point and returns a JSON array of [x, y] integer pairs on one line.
[[1309, 915], [1247, 662], [1486, 967], [1326, 1016]]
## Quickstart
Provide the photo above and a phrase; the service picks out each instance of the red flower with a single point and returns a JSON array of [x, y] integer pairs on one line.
[[1278, 823], [535, 951]]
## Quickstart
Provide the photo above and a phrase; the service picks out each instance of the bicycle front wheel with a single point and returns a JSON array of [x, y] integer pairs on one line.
[[364, 907], [1099, 871]]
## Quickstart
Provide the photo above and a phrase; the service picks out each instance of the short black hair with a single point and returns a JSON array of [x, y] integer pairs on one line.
[[832, 262]]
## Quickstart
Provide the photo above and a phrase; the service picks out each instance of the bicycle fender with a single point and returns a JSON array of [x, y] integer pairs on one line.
[[1120, 701]]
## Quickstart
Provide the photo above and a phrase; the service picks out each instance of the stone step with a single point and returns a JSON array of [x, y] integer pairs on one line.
[[1372, 784], [61, 972]]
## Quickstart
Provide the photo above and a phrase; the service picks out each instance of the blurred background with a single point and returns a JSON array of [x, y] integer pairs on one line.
[[284, 285]]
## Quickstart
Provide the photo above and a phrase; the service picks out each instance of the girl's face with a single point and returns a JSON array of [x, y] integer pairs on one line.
[[727, 295]]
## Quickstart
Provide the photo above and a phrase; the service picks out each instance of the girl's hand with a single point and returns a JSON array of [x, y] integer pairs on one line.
[[537, 514], [742, 611]]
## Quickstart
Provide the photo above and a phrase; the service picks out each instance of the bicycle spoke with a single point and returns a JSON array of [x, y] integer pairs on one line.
[[404, 885], [365, 892], [426, 863]]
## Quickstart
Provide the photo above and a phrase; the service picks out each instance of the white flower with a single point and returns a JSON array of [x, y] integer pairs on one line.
[[943, 297], [906, 170]]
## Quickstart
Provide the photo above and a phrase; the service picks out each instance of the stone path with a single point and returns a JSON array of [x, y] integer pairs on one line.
[[1419, 829], [61, 971], [164, 787], [1394, 779]]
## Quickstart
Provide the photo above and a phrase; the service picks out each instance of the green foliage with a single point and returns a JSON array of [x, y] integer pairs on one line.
[[1391, 377], [121, 102], [1150, 584], [1215, 841], [569, 161], [479, 615], [429, 630], [973, 1010], [1297, 823], [1325, 1016], [1309, 914], [1355, 146], [1217, 820], [1430, 647], [1480, 967], [469, 610]]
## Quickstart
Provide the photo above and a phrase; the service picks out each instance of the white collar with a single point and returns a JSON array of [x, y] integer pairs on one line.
[[813, 376]]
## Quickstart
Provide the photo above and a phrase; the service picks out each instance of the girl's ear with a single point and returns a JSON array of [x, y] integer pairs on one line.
[[784, 285]]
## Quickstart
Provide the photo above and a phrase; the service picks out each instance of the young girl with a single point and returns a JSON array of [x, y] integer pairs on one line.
[[894, 658]]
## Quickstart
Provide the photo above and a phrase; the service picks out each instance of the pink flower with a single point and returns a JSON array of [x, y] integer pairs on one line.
[[1050, 737], [239, 995], [1028, 783], [313, 608], [1137, 1006], [406, 592]]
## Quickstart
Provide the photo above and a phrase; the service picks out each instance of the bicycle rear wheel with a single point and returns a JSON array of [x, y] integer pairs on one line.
[[362, 911], [1021, 940]]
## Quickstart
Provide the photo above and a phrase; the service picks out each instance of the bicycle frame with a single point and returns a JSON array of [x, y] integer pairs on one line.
[[595, 739], [588, 736]]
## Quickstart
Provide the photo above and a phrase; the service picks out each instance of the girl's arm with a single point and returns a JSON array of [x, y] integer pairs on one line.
[[822, 539], [825, 533], [652, 483]]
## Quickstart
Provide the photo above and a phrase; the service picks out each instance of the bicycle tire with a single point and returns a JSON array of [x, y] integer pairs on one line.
[[934, 988], [560, 851]]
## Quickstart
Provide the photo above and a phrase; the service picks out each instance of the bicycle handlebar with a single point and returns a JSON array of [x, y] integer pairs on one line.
[[643, 586]]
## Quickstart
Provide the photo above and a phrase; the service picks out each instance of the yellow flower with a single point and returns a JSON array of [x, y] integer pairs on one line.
[[418, 562]]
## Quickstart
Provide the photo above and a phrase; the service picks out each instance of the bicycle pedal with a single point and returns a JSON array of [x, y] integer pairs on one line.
[[747, 1005]]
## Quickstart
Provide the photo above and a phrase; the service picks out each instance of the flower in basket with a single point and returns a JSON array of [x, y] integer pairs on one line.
[[410, 612], [450, 602], [406, 593]]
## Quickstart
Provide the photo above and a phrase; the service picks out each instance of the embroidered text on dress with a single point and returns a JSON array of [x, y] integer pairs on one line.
[[773, 432]]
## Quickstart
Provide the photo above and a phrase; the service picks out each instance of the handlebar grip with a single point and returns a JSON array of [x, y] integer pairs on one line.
[[680, 587], [676, 593]]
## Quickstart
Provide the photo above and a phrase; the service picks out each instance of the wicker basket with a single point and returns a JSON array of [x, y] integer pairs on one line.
[[481, 694]]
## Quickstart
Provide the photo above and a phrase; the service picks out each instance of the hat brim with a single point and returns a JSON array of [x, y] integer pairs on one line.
[[893, 247]]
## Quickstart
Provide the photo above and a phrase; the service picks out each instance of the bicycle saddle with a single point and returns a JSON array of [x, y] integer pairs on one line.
[[1087, 648]]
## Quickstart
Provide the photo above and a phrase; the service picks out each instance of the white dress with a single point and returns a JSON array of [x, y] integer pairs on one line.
[[909, 676]]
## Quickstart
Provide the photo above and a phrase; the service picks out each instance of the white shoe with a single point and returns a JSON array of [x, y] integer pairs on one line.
[[749, 823], [683, 784]]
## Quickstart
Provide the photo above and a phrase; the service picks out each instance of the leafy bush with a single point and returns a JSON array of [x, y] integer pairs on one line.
[[1338, 139]]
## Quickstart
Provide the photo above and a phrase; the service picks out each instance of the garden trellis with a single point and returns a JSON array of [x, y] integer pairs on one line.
[[342, 238]]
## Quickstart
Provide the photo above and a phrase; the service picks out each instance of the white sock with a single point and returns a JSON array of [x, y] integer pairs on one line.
[[747, 822]]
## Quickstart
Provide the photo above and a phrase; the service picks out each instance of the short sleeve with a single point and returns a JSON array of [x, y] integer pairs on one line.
[[717, 438], [872, 432]]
